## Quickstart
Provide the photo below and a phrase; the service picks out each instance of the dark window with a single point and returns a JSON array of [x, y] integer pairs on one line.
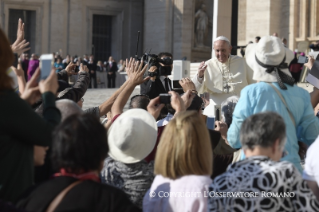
[[29, 19], [101, 37]]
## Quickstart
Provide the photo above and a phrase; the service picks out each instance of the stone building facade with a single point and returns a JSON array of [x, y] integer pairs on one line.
[[74, 26], [185, 28]]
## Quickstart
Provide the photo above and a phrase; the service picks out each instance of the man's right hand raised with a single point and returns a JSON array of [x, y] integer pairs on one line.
[[201, 69], [152, 69]]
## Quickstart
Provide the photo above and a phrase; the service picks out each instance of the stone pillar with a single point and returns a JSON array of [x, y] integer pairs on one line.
[[257, 18], [265, 17], [293, 24], [168, 27], [222, 19]]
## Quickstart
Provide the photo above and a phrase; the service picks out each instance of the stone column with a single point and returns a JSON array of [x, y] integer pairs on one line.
[[222, 19], [168, 27]]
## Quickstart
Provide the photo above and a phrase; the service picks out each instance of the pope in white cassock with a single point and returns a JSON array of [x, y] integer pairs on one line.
[[224, 75]]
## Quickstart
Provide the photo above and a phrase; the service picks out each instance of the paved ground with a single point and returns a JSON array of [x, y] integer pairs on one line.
[[95, 97]]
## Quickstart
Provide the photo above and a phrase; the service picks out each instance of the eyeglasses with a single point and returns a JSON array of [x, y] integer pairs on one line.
[[82, 100], [133, 97]]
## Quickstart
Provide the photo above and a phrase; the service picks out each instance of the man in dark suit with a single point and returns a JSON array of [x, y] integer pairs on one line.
[[111, 69], [92, 70], [160, 84]]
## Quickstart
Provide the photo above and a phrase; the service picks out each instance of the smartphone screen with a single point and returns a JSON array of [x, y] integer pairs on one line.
[[46, 63]]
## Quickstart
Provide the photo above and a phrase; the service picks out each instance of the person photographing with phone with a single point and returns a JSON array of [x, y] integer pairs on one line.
[[17, 140]]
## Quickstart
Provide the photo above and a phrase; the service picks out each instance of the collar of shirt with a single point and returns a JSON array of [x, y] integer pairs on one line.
[[165, 120]]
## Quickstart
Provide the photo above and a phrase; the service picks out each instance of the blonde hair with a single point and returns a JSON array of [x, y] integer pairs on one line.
[[184, 148], [6, 60]]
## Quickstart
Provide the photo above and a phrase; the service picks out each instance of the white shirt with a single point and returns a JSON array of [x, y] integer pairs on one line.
[[165, 120], [311, 171], [162, 78]]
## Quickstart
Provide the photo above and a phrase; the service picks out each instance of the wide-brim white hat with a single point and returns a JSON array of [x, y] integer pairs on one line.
[[132, 136], [270, 51]]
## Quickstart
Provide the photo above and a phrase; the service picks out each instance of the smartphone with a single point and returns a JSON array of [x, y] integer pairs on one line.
[[176, 84], [15, 61], [302, 59], [46, 63], [217, 113], [77, 69], [165, 98]]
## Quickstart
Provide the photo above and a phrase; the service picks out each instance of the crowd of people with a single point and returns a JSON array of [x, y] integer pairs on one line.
[[111, 67], [160, 154]]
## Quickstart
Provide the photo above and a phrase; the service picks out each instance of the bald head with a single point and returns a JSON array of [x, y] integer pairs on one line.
[[67, 108]]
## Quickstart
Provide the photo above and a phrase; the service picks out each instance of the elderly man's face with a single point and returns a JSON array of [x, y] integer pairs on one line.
[[222, 50]]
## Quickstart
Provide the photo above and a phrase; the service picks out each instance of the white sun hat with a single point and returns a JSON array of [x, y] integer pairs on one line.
[[132, 136], [270, 52]]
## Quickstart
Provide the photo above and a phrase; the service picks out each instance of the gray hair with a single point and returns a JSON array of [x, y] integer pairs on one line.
[[263, 129], [67, 108], [227, 109], [222, 38]]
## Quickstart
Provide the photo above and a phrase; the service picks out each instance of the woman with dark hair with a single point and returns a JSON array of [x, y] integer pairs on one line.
[[78, 151], [20, 127]]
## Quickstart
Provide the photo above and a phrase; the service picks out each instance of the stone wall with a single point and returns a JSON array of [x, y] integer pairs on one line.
[[67, 24]]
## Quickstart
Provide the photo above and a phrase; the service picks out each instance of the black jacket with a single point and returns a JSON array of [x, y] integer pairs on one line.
[[86, 196], [153, 88], [111, 69]]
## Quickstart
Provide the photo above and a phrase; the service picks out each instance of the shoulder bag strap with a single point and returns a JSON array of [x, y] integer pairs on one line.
[[283, 100], [57, 200]]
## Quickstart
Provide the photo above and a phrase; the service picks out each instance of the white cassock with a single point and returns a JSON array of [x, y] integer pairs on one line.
[[222, 80]]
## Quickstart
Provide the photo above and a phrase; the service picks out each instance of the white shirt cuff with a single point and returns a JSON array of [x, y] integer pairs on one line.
[[200, 79]]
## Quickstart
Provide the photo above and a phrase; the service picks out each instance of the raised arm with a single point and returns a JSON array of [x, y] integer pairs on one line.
[[136, 78]]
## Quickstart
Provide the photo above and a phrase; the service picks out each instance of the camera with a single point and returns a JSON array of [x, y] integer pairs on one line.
[[154, 60]]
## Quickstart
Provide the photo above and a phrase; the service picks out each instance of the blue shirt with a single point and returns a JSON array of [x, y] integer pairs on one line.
[[260, 97]]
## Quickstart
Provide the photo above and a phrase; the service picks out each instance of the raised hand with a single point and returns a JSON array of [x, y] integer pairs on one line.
[[20, 45], [137, 73], [70, 69], [155, 107], [222, 128], [31, 92], [177, 102], [188, 97], [50, 84], [18, 70], [187, 84], [201, 69], [310, 62], [83, 68]]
